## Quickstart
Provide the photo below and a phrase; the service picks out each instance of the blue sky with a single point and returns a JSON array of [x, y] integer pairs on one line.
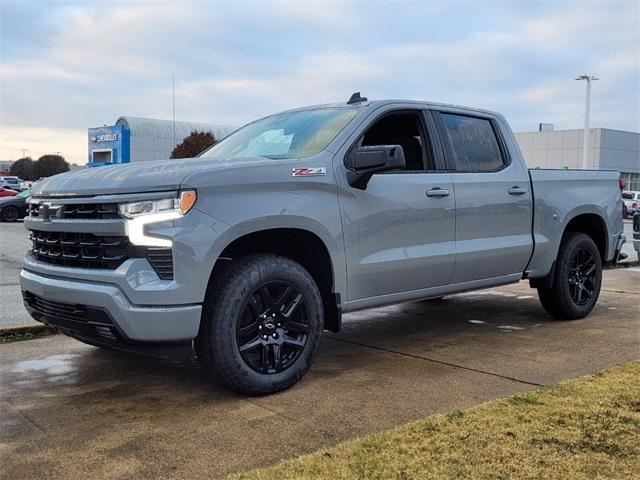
[[67, 66]]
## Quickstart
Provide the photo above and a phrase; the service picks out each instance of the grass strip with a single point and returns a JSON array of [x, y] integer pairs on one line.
[[584, 428], [19, 335]]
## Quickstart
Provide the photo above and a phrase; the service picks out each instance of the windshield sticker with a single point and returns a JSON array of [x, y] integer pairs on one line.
[[308, 171]]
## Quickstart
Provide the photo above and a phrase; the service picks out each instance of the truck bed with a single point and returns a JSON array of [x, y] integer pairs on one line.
[[561, 195]]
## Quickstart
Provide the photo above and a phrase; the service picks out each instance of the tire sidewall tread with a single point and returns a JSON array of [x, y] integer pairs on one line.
[[557, 300], [217, 345]]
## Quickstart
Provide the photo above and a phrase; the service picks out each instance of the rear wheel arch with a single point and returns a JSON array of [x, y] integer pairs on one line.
[[592, 225]]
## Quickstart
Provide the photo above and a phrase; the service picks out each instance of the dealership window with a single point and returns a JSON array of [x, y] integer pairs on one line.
[[632, 181]]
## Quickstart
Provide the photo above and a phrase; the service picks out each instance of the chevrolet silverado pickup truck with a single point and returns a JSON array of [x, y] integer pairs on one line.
[[247, 253]]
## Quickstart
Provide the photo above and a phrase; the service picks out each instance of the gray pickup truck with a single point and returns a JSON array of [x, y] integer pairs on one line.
[[248, 252]]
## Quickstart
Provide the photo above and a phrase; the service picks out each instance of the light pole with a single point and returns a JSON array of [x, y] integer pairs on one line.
[[587, 108]]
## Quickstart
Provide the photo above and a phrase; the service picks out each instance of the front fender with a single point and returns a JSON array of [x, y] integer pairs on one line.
[[331, 240]]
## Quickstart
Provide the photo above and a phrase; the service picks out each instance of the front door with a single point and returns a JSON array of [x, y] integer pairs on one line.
[[399, 232]]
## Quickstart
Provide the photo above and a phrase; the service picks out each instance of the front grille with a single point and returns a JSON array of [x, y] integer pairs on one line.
[[90, 211], [72, 319], [85, 250], [82, 250]]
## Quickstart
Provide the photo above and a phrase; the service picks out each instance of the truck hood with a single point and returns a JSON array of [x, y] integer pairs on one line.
[[156, 176]]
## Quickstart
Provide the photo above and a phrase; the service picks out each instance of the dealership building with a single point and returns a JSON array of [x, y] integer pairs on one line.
[[608, 150], [136, 139]]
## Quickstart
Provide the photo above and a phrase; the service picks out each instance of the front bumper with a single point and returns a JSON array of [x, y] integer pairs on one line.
[[131, 323], [129, 305]]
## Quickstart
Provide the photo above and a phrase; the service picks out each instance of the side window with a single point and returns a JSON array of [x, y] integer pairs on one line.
[[474, 143], [402, 129]]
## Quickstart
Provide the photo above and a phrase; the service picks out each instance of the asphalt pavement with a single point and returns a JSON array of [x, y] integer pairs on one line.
[[14, 242], [71, 411]]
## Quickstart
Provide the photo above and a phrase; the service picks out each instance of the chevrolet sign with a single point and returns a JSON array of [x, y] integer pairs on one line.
[[107, 137]]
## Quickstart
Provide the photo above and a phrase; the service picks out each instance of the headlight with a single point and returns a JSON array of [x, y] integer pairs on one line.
[[180, 205], [139, 214]]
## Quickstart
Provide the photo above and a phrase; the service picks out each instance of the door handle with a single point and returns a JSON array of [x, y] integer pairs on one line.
[[515, 190], [437, 192]]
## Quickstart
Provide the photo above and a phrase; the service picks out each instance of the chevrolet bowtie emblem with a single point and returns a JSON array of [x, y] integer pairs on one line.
[[46, 211]]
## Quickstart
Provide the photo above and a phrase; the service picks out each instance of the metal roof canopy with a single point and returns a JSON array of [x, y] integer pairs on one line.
[[153, 127]]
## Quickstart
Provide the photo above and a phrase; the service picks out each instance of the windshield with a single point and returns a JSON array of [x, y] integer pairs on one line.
[[287, 135], [24, 193]]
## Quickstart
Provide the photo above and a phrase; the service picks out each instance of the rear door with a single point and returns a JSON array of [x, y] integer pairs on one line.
[[399, 231], [493, 197]]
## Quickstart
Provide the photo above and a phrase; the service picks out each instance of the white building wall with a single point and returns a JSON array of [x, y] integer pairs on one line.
[[559, 148], [608, 149]]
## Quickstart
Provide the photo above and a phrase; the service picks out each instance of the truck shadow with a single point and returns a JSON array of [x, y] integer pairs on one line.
[[429, 326]]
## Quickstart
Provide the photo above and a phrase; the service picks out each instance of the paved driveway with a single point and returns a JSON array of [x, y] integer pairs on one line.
[[14, 242], [73, 411]]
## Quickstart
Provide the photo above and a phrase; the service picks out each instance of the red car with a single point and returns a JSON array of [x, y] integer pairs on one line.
[[7, 192]]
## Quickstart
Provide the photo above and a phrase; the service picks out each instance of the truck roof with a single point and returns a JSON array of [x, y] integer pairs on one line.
[[379, 103]]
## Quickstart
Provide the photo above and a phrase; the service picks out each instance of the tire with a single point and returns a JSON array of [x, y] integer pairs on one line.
[[577, 279], [10, 214], [249, 322]]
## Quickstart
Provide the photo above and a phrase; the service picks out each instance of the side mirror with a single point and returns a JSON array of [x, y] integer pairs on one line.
[[365, 161]]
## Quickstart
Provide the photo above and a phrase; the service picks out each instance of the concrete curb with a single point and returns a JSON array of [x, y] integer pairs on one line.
[[630, 264], [34, 329]]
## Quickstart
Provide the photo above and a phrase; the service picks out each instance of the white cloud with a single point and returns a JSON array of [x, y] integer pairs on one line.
[[234, 62], [38, 141]]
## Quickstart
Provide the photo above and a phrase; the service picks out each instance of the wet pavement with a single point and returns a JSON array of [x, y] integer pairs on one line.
[[70, 411]]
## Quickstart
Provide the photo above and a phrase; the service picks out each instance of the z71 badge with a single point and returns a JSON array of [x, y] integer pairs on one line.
[[308, 171]]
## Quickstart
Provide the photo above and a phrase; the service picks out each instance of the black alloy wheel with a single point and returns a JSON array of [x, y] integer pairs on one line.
[[262, 322], [577, 278], [582, 276], [273, 328]]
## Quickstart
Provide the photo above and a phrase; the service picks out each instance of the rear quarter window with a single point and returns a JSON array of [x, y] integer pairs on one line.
[[473, 142]]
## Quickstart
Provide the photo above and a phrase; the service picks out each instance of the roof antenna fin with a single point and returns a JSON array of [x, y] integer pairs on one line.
[[356, 98]]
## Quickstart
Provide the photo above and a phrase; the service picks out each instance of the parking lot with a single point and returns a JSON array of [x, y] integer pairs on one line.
[[74, 411]]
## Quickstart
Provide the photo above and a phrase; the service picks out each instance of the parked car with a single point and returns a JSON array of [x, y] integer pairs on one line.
[[15, 207], [7, 192], [631, 202], [13, 183], [248, 252], [636, 232]]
